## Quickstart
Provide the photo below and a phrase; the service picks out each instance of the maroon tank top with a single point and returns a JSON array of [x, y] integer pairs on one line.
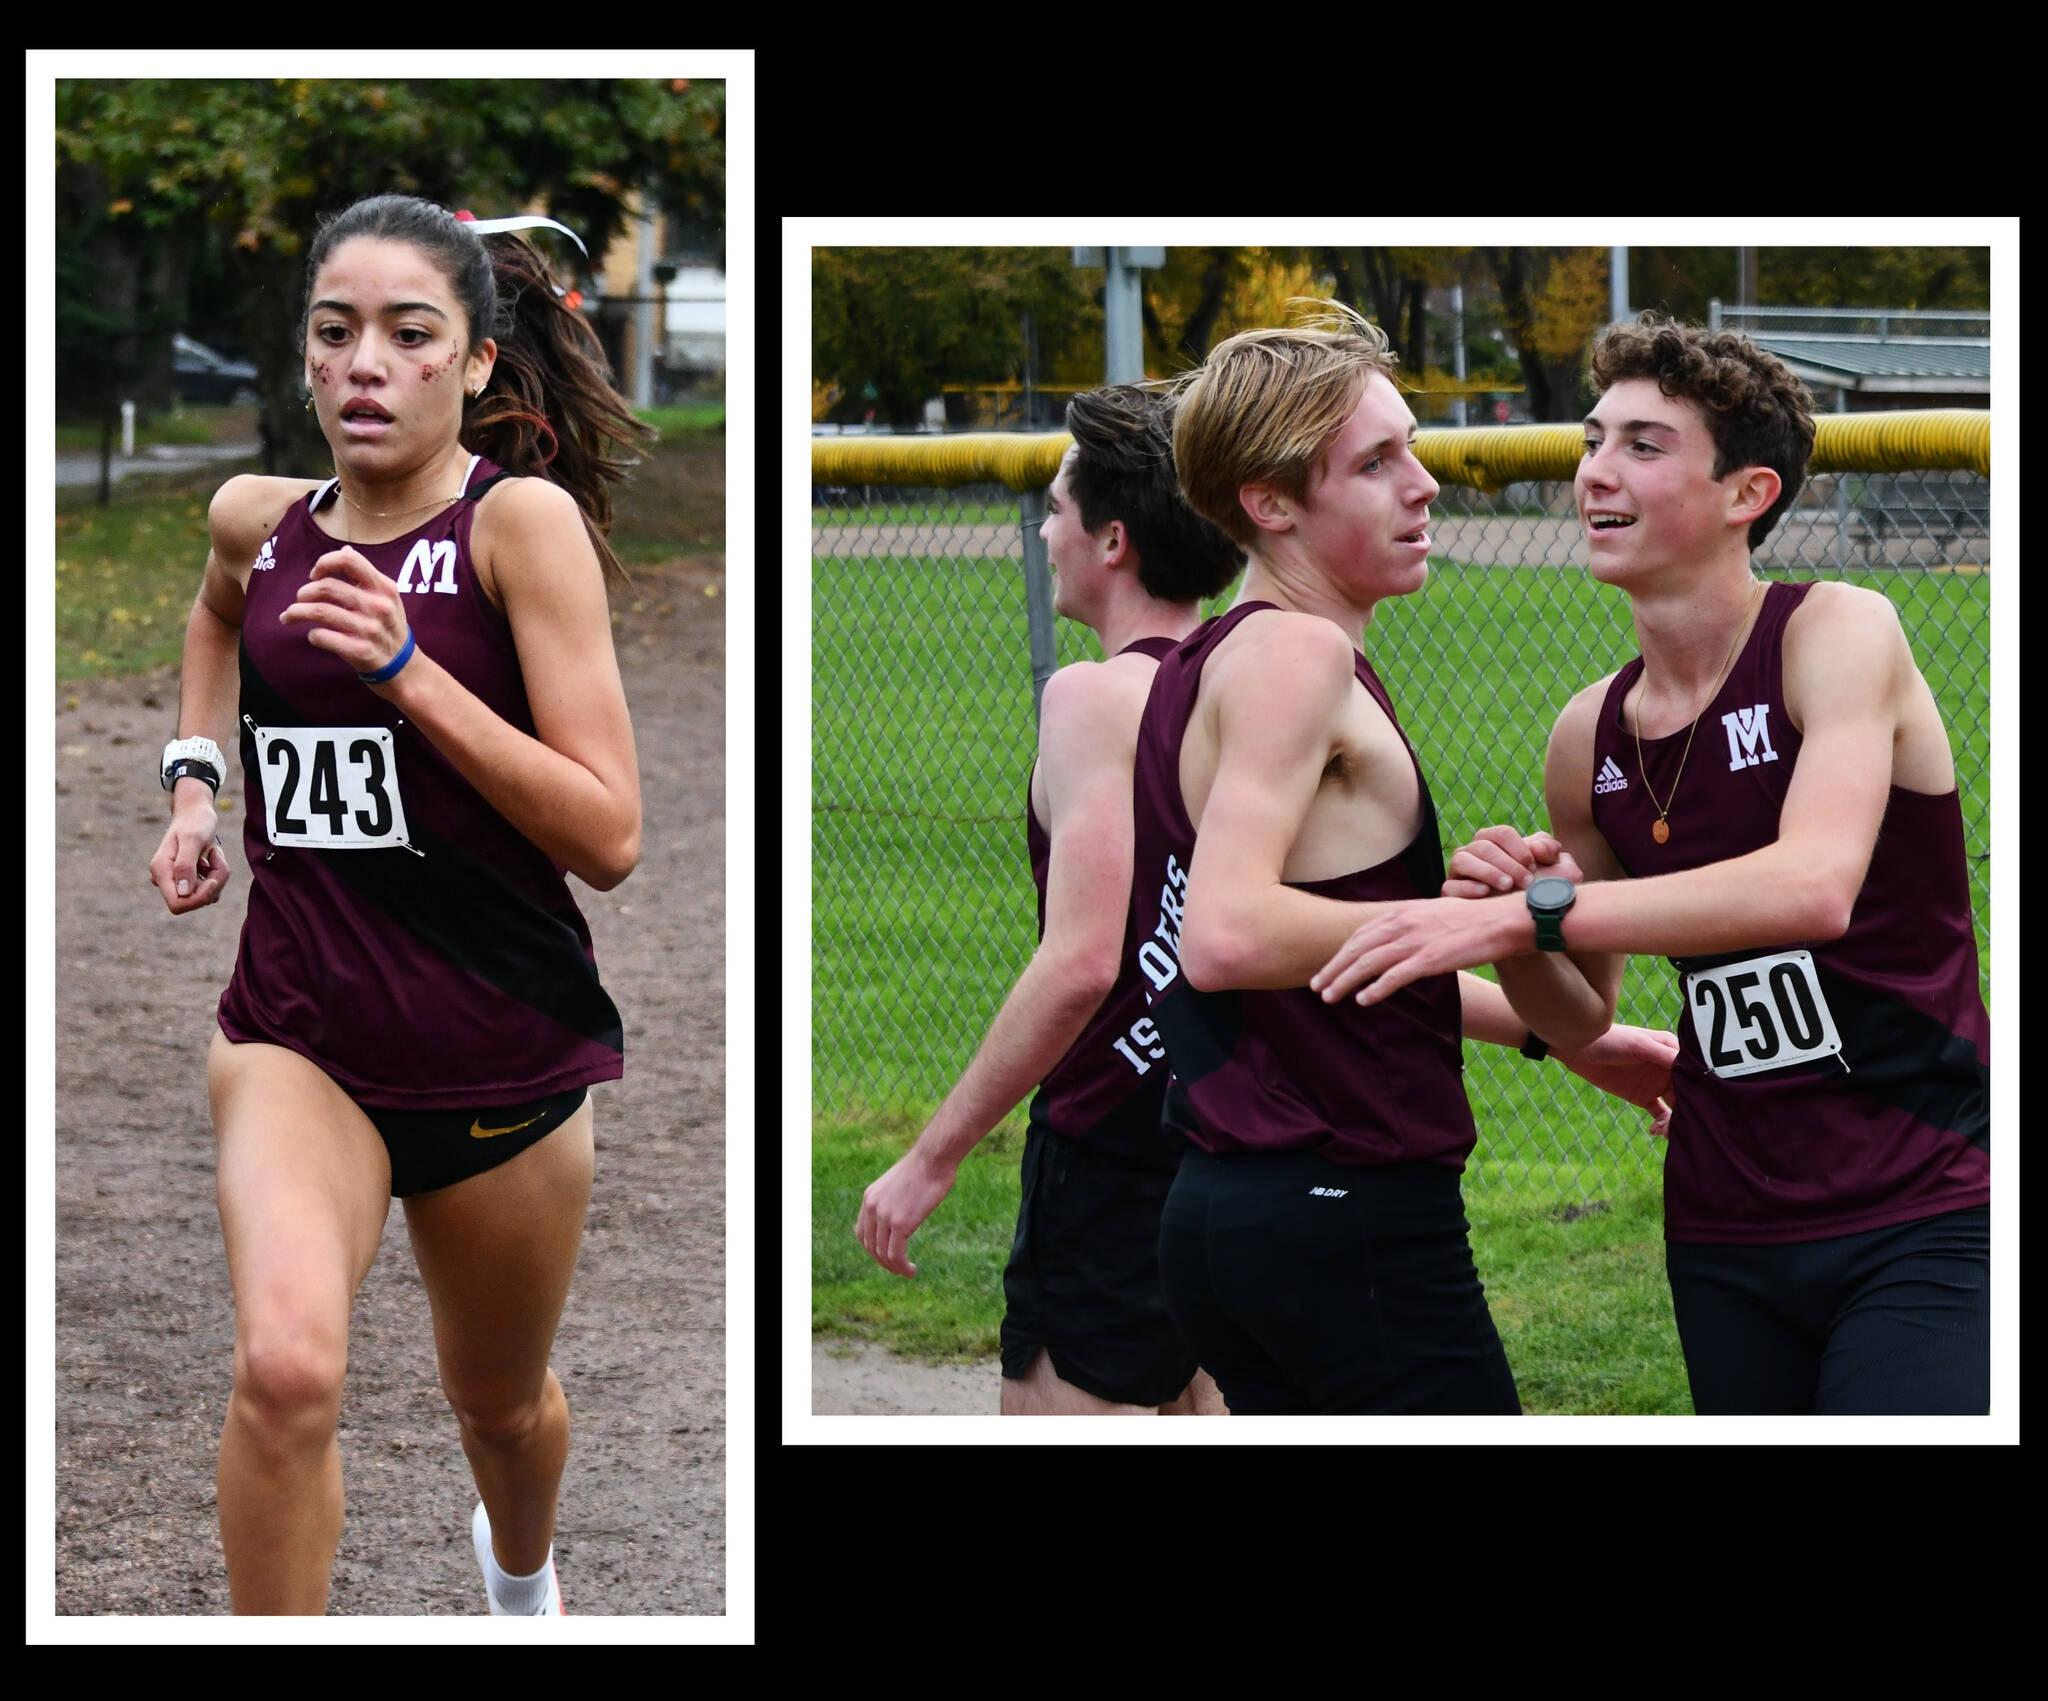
[[1281, 1070], [1823, 1087], [401, 933], [1108, 1087]]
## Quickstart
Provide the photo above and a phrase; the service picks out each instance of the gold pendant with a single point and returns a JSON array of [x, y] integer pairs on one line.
[[1659, 831]]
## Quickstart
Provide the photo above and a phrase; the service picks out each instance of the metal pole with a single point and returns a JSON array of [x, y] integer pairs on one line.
[[1123, 323], [1617, 285], [1458, 344], [1038, 615], [1841, 495], [643, 316]]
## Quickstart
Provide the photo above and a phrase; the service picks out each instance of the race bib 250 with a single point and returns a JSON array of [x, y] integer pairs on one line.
[[1760, 1013]]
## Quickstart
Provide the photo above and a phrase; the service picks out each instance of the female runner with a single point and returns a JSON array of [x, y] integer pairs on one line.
[[417, 655]]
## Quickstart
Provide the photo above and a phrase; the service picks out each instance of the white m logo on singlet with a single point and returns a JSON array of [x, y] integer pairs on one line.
[[426, 557], [1747, 728]]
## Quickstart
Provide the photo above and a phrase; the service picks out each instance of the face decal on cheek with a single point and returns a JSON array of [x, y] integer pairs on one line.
[[429, 373], [320, 374]]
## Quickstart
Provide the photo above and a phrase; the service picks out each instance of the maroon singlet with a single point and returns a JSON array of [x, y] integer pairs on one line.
[[1112, 1079], [1850, 1100], [1278, 1071], [445, 970]]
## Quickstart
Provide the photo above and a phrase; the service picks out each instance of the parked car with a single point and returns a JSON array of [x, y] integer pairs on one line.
[[201, 375]]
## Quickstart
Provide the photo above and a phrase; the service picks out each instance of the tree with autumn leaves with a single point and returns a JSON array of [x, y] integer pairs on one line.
[[162, 181], [892, 326]]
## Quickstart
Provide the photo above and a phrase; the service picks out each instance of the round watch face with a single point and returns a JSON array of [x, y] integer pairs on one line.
[[1552, 892]]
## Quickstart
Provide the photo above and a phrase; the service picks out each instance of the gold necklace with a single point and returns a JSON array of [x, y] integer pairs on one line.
[[1660, 829], [393, 513]]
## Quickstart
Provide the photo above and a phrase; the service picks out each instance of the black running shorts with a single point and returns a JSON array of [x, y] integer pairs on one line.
[[1083, 1277], [1894, 1320], [437, 1148], [1311, 1286]]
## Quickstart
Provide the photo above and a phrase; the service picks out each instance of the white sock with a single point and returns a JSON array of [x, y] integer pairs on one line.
[[521, 1597], [515, 1597]]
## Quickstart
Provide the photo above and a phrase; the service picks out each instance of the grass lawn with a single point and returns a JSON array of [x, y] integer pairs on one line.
[[188, 424], [1576, 1287]]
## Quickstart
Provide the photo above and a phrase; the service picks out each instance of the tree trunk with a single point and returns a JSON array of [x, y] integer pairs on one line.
[[270, 287], [168, 286], [1510, 272], [1201, 325]]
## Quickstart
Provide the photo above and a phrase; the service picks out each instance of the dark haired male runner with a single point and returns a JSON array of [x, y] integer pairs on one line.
[[1767, 797], [1085, 1328]]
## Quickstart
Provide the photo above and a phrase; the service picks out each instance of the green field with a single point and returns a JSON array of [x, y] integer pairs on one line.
[[1576, 1287], [923, 913]]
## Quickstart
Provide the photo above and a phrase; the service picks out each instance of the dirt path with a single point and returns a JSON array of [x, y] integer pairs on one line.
[[144, 1315], [859, 1378]]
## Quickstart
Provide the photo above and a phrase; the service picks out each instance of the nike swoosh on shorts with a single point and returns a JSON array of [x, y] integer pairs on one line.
[[477, 1130]]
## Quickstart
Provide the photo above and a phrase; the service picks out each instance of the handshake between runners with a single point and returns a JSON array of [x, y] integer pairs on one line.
[[1481, 918]]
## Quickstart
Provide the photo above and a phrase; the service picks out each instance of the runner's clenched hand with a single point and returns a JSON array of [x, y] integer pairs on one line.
[[349, 608]]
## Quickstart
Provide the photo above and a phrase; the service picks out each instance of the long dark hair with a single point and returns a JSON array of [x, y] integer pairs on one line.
[[549, 409]]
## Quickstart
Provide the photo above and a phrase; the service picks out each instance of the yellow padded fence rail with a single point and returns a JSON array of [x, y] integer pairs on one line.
[[1488, 457]]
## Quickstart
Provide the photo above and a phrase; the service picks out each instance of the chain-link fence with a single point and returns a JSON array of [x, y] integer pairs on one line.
[[932, 626]]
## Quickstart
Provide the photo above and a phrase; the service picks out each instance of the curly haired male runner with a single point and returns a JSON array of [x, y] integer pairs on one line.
[[1767, 797]]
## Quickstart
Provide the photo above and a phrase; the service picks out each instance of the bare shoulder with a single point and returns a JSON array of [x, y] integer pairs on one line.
[[526, 532], [245, 511], [1579, 720], [1842, 633], [1094, 700], [521, 499], [1833, 611], [1312, 654], [519, 509]]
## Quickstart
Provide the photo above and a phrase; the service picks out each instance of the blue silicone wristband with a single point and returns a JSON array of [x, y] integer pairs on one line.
[[390, 667]]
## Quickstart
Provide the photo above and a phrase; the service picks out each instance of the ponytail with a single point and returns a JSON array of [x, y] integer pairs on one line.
[[549, 409]]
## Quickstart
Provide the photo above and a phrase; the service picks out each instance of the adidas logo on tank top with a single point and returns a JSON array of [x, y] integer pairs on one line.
[[1610, 778]]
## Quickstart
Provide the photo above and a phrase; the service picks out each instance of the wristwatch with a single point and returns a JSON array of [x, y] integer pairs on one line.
[[1548, 899], [199, 757]]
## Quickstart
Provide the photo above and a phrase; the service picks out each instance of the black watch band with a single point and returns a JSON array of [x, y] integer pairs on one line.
[[1550, 898], [1534, 1049], [192, 767]]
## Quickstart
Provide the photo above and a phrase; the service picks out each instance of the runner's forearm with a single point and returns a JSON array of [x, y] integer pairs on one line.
[[1549, 993], [1038, 1024], [1273, 938], [556, 801], [209, 678]]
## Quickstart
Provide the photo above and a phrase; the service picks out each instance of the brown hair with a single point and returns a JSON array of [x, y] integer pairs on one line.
[[1123, 470], [548, 410], [1266, 405], [1756, 412]]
